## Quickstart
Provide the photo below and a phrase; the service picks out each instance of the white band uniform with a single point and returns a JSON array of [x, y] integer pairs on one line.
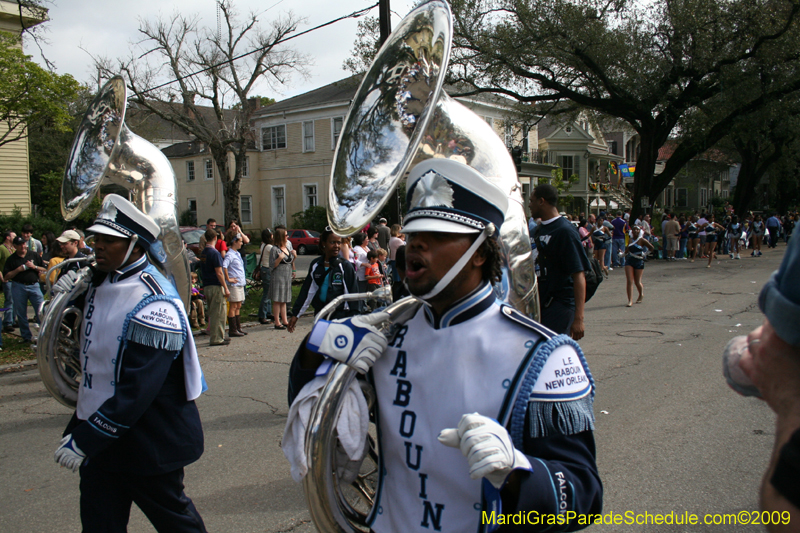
[[426, 485]]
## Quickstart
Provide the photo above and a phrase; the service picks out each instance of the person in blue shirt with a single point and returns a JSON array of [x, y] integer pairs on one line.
[[773, 230]]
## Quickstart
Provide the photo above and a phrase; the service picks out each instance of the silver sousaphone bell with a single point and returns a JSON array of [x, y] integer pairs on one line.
[[399, 117], [106, 155]]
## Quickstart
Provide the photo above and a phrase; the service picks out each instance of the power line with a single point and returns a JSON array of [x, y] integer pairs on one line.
[[354, 14]]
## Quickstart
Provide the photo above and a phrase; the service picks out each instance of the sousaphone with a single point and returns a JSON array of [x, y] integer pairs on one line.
[[107, 157], [399, 117]]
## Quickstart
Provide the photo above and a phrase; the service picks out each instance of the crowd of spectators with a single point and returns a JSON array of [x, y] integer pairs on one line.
[[24, 263]]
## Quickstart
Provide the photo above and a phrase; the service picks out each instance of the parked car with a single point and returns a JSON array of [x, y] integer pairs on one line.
[[303, 240], [191, 235]]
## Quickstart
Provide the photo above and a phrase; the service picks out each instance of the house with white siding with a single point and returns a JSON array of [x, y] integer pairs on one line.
[[15, 189]]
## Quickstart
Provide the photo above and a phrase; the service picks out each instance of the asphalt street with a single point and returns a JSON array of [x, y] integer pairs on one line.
[[670, 434]]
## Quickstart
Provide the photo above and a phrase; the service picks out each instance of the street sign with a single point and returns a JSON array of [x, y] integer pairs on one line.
[[645, 202]]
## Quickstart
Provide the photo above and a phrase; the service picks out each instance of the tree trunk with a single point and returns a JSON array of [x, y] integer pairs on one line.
[[754, 166], [643, 177], [746, 183], [230, 187]]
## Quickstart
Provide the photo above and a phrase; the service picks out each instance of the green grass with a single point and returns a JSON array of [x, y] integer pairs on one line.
[[15, 350], [253, 299]]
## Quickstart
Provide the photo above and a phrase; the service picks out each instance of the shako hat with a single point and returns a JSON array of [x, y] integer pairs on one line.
[[448, 196], [120, 218]]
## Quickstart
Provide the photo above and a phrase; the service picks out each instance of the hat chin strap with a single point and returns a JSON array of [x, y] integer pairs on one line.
[[130, 249], [460, 264]]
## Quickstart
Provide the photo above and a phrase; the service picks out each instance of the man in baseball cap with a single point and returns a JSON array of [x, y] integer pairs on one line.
[[70, 248]]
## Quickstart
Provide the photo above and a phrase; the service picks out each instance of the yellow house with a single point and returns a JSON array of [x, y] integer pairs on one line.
[[15, 190], [288, 169]]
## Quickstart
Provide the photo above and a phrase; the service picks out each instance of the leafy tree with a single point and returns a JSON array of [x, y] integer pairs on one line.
[[219, 69], [563, 185], [762, 141], [49, 149], [314, 218], [30, 96], [664, 67], [365, 46]]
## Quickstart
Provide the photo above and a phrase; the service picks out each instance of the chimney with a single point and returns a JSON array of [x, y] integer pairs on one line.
[[255, 102]]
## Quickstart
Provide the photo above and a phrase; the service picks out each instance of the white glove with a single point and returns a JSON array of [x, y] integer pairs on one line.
[[68, 454], [487, 447], [354, 341], [69, 280]]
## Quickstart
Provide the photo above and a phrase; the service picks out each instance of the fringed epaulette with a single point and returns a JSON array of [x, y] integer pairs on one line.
[[556, 393], [156, 322]]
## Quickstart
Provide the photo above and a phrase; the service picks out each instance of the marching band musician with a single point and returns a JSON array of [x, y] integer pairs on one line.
[[483, 413], [136, 425]]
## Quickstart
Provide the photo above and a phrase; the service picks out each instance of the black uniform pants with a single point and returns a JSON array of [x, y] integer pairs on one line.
[[106, 499]]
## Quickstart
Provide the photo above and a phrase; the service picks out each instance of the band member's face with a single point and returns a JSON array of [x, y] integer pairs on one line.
[[110, 252], [429, 256]]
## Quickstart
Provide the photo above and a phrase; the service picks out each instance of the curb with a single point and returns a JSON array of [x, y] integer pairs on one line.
[[16, 367]]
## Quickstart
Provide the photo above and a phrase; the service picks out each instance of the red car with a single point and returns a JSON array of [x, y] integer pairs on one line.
[[303, 240]]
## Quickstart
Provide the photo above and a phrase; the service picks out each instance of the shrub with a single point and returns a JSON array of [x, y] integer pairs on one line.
[[314, 218]]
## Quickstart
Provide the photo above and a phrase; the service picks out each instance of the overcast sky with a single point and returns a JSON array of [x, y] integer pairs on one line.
[[107, 28]]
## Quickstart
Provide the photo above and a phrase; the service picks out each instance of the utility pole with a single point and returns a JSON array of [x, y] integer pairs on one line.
[[385, 20], [385, 24]]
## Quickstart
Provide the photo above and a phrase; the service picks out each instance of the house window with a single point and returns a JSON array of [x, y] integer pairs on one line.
[[246, 209], [489, 121], [309, 196], [246, 167], [192, 208], [566, 162], [724, 193], [682, 197], [336, 130], [273, 137], [568, 129], [703, 197], [667, 197], [278, 206], [190, 171], [209, 168], [308, 136], [612, 147]]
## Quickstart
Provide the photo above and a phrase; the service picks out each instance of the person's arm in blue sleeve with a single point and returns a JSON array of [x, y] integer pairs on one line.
[[144, 370], [564, 480]]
